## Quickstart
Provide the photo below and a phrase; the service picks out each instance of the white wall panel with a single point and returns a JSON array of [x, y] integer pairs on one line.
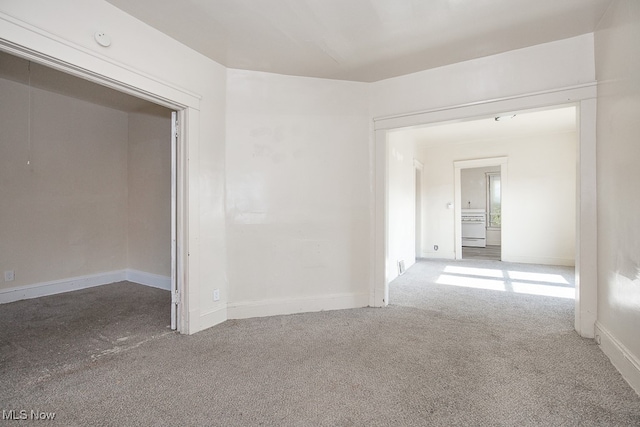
[[538, 68], [298, 192], [618, 174], [401, 239], [63, 169]]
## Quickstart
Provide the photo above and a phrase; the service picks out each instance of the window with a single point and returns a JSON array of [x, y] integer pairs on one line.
[[494, 217]]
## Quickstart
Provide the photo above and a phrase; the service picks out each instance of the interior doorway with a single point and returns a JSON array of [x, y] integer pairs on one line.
[[478, 228], [584, 98], [481, 218], [74, 168]]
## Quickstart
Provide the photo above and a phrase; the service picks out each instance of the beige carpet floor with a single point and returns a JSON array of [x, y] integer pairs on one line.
[[446, 352]]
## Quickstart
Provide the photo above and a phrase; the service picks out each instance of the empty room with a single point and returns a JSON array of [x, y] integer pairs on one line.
[[258, 212]]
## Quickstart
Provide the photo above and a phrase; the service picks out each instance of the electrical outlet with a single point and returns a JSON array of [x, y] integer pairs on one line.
[[9, 276], [216, 294], [435, 247]]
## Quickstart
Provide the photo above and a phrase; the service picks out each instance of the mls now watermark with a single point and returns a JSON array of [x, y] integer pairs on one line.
[[23, 414]]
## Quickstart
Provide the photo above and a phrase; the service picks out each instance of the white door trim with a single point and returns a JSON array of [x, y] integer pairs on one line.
[[26, 41], [584, 96], [175, 289], [418, 168]]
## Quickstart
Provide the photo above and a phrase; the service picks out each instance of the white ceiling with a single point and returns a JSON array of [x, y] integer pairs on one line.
[[531, 123], [362, 40]]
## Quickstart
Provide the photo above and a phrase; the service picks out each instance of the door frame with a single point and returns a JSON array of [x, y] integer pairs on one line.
[[469, 164], [584, 98], [418, 168], [79, 62]]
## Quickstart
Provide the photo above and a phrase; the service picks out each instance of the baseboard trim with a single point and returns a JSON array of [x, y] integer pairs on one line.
[[54, 287], [201, 320], [148, 279], [60, 286], [274, 307], [567, 262], [438, 255], [624, 361]]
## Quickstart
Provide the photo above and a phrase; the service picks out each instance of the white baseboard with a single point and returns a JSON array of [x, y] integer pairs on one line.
[[199, 321], [438, 255], [148, 279], [274, 307], [624, 361], [54, 287], [59, 286], [567, 262]]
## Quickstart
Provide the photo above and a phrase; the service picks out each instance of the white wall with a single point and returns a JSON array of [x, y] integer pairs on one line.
[[401, 241], [143, 58], [298, 194], [64, 214], [538, 68], [538, 223], [95, 196], [149, 193], [618, 174]]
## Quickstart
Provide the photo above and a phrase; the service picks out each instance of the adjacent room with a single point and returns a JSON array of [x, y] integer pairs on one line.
[[534, 219], [86, 173]]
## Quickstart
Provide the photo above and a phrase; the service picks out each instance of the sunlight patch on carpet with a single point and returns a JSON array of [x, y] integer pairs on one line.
[[520, 282]]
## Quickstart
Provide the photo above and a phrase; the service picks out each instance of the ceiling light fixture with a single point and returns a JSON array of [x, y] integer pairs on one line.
[[500, 118]]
